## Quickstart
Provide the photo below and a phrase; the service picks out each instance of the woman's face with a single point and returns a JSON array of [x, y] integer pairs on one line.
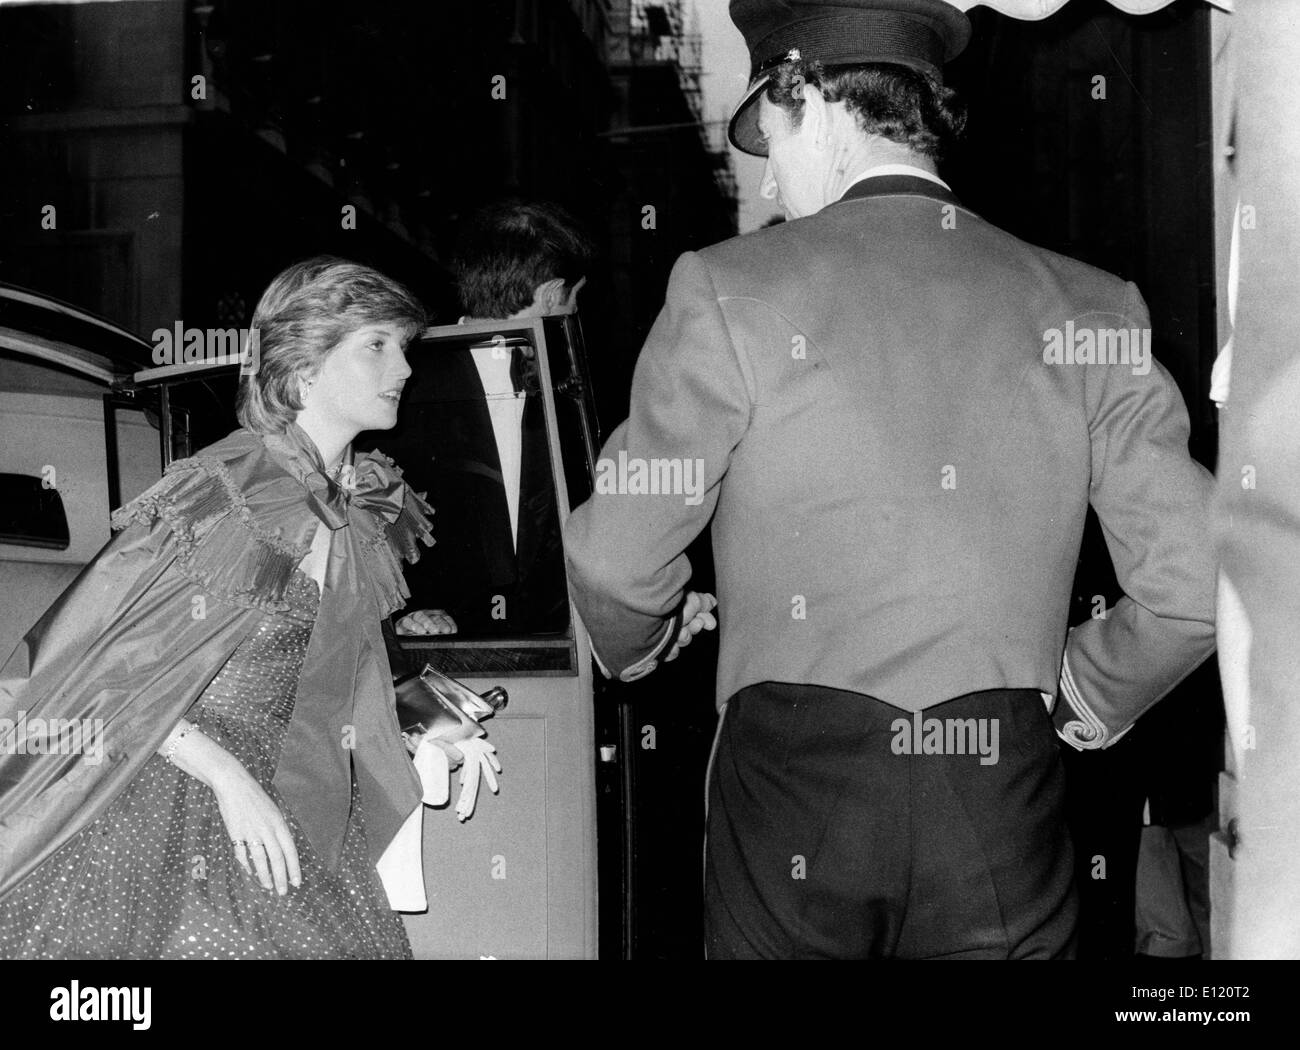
[[360, 382]]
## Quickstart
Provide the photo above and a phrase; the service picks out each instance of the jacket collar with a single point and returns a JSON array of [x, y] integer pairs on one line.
[[898, 186]]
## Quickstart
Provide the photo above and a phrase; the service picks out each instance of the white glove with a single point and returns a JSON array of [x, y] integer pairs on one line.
[[434, 768], [480, 756]]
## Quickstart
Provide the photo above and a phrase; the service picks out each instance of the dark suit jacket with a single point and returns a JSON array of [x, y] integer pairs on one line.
[[899, 476], [445, 445]]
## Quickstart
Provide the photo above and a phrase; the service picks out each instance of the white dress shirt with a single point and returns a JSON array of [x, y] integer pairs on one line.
[[506, 411]]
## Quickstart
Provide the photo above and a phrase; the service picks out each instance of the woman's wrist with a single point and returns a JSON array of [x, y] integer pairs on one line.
[[224, 770], [172, 743], [182, 730], [193, 752]]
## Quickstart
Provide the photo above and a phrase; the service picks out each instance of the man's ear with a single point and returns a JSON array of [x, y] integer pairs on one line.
[[816, 115], [549, 295]]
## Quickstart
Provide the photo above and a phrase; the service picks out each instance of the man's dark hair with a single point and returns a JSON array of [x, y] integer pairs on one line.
[[896, 102], [505, 250]]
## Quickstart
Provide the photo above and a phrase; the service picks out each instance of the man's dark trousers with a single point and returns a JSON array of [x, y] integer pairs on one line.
[[823, 842]]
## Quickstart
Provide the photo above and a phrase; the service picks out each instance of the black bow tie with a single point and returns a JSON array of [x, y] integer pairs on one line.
[[523, 370]]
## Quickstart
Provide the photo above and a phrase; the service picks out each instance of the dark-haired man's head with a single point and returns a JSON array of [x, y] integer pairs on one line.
[[841, 87], [518, 259], [822, 124]]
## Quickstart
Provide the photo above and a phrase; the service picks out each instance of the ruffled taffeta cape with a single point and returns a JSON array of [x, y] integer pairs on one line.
[[139, 634]]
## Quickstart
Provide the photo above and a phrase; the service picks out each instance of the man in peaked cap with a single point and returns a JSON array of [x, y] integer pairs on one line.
[[902, 415], [918, 34]]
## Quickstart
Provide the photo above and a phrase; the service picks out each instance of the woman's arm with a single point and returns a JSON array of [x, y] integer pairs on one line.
[[198, 755], [257, 828], [256, 825]]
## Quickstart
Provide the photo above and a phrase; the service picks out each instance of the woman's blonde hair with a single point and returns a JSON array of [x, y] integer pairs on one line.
[[302, 316]]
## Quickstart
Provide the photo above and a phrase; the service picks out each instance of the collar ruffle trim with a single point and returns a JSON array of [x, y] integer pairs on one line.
[[387, 544], [241, 525]]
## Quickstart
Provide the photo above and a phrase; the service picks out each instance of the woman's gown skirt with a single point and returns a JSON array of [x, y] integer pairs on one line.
[[156, 877]]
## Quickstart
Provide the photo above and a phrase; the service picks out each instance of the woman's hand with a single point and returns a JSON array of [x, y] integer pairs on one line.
[[697, 616], [256, 826], [258, 831], [426, 621]]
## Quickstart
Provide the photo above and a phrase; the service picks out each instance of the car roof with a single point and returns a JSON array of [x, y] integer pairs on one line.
[[47, 329]]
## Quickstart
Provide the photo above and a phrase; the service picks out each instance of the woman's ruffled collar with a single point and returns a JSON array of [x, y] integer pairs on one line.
[[253, 563], [372, 483]]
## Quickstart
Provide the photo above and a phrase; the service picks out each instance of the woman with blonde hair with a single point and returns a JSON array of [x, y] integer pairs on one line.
[[252, 785]]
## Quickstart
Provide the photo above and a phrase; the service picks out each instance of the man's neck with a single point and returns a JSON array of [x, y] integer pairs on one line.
[[874, 152]]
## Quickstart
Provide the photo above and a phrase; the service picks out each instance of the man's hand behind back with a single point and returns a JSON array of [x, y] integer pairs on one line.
[[697, 616]]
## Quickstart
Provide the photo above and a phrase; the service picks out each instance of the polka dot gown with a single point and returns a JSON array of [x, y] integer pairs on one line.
[[156, 877]]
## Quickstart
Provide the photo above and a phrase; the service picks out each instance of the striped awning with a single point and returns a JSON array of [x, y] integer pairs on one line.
[[1032, 10]]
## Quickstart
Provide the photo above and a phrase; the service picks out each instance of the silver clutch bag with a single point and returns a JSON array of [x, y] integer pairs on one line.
[[432, 702]]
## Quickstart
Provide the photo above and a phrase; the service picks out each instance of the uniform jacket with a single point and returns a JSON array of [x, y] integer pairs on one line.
[[140, 633], [898, 468]]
